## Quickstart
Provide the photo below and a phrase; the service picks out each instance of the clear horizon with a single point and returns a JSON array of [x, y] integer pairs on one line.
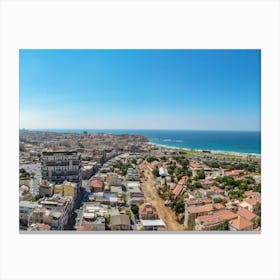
[[109, 89], [175, 129]]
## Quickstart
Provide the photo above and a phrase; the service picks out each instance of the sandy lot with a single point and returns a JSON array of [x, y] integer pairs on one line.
[[151, 196]]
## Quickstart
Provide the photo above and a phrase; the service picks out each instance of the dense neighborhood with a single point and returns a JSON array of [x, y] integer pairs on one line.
[[105, 182]]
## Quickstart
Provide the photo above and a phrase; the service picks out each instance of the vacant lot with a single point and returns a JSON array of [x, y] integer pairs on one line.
[[151, 196]]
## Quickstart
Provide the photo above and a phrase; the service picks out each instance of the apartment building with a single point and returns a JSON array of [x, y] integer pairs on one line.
[[60, 166]]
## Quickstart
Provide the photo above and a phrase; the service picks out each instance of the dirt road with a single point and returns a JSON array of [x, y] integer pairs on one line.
[[151, 196]]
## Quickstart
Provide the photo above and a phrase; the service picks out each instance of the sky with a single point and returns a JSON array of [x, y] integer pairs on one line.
[[140, 89]]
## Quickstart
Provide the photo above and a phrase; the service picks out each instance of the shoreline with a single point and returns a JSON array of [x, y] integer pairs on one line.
[[201, 151]]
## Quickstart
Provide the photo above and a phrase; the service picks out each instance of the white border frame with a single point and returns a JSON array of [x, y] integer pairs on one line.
[[140, 24]]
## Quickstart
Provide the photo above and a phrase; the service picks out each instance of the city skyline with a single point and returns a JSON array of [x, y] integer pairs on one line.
[[140, 89]]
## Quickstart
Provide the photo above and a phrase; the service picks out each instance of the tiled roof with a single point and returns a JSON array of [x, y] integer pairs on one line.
[[198, 201], [253, 201], [207, 220], [200, 209], [246, 214], [241, 223], [147, 209], [177, 190], [193, 165], [225, 214]]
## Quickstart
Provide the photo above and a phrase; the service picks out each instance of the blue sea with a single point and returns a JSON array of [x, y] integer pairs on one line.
[[246, 142]]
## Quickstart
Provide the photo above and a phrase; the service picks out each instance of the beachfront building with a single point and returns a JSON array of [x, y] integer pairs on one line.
[[60, 166]]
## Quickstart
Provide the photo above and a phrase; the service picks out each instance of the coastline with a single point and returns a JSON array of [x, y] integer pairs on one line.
[[140, 132], [217, 152]]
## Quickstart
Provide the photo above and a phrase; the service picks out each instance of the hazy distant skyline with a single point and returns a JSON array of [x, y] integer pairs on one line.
[[140, 89]]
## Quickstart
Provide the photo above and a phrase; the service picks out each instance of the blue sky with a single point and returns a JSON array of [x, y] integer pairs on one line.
[[140, 89]]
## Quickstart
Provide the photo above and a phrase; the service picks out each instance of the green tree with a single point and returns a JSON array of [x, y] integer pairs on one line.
[[217, 199], [156, 172], [134, 209], [201, 174]]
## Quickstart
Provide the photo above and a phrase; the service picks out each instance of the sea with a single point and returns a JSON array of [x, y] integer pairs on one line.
[[244, 142]]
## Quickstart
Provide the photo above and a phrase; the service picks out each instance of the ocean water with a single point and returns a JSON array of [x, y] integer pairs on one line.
[[247, 142]]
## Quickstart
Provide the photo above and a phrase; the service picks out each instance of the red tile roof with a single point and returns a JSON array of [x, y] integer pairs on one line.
[[193, 165], [216, 189], [206, 181], [177, 190], [200, 209], [235, 172], [241, 224], [96, 184], [253, 201], [218, 206], [198, 201], [225, 214], [207, 220], [147, 208], [246, 214]]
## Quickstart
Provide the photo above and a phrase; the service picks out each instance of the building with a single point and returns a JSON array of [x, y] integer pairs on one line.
[[246, 214], [25, 210], [134, 193], [120, 222], [148, 212], [252, 204], [213, 220], [240, 224], [45, 188], [177, 190], [60, 166], [70, 189], [114, 179], [87, 171], [97, 184], [208, 222], [155, 224], [132, 175]]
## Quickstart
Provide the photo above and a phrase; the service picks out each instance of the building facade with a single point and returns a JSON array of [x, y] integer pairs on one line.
[[60, 166]]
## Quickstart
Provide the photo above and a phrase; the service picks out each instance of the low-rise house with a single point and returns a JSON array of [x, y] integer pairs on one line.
[[252, 194], [178, 190], [134, 192], [246, 214], [155, 224], [120, 222], [240, 224], [252, 204], [147, 211], [192, 212], [233, 173], [206, 183], [198, 201], [194, 166], [208, 222], [97, 184], [39, 227]]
